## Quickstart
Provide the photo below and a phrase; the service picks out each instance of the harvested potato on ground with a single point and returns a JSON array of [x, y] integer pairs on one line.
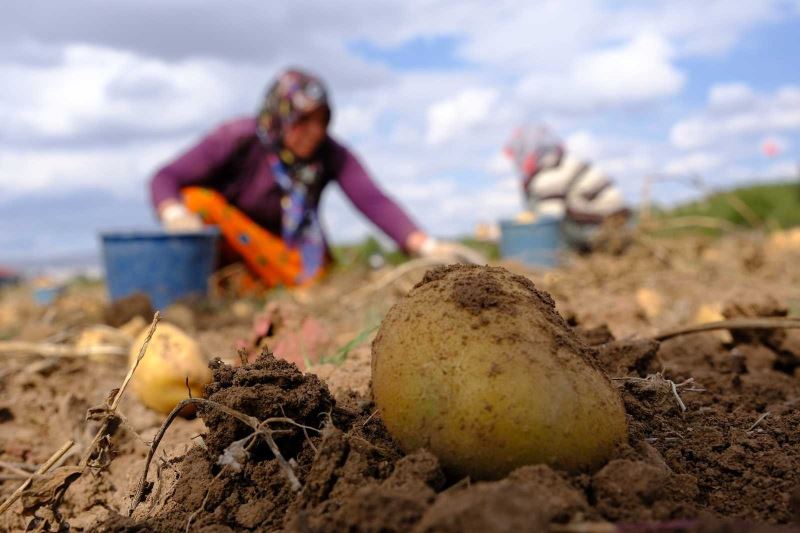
[[103, 336], [476, 365], [650, 302], [134, 326], [713, 313], [172, 356]]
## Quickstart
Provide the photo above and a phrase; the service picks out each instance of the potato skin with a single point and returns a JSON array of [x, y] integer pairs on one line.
[[172, 356], [476, 365]]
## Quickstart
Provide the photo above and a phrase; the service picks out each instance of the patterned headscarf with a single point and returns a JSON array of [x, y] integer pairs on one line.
[[533, 149], [292, 95]]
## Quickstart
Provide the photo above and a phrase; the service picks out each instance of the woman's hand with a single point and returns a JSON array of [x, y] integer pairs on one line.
[[175, 217], [448, 252]]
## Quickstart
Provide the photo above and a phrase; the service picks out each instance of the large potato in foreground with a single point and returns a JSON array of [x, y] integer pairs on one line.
[[476, 365], [172, 356]]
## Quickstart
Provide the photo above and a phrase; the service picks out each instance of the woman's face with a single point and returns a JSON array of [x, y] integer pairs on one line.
[[304, 136]]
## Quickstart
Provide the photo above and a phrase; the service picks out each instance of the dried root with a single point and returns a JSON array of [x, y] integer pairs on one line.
[[731, 324], [657, 381]]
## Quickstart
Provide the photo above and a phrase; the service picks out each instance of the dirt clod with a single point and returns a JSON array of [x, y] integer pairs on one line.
[[267, 388], [123, 310]]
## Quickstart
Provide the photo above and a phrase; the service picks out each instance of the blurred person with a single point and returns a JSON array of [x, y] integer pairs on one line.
[[557, 185], [260, 178]]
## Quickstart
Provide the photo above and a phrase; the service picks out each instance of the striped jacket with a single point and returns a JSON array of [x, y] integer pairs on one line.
[[573, 189]]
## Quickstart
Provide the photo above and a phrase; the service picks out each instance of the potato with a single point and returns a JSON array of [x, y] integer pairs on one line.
[[94, 336], [712, 312], [650, 302], [172, 356], [785, 240], [477, 366], [134, 326]]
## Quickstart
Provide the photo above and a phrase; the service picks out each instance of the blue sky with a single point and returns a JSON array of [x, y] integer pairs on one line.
[[764, 57], [419, 53], [97, 95]]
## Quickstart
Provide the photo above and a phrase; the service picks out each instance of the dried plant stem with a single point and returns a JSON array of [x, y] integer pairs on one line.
[[674, 389], [390, 277], [758, 421], [16, 469], [109, 416], [731, 324], [13, 477], [658, 380], [689, 222], [142, 351], [57, 350], [41, 470]]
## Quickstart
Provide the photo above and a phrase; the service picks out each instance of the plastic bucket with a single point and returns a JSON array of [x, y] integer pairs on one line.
[[47, 294], [533, 243], [164, 266]]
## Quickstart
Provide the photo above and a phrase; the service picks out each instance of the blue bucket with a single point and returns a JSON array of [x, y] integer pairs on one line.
[[47, 294], [164, 266], [533, 243]]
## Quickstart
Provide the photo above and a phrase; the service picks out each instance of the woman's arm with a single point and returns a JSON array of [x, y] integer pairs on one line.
[[197, 165], [376, 206], [390, 218]]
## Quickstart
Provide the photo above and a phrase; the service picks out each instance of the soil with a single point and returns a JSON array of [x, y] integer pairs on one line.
[[729, 462], [678, 466]]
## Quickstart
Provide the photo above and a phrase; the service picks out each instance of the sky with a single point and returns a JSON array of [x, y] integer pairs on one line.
[[97, 95]]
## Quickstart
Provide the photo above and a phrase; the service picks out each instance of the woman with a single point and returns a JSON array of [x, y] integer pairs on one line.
[[260, 179], [558, 185]]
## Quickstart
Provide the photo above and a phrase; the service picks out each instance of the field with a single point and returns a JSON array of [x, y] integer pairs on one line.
[[714, 417]]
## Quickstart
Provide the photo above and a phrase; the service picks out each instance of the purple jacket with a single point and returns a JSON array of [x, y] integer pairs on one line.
[[232, 160]]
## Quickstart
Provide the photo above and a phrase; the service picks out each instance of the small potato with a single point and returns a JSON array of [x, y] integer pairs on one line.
[[477, 366], [134, 326], [172, 356], [712, 312], [103, 336]]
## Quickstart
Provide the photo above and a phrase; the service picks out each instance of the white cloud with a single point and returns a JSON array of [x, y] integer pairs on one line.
[[454, 117], [636, 72], [757, 114], [784, 168], [694, 163], [353, 120], [584, 144], [727, 97], [500, 164], [122, 169], [710, 29], [97, 92]]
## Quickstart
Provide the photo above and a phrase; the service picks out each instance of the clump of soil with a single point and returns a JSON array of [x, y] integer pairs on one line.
[[350, 468], [267, 388], [123, 310], [528, 499]]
